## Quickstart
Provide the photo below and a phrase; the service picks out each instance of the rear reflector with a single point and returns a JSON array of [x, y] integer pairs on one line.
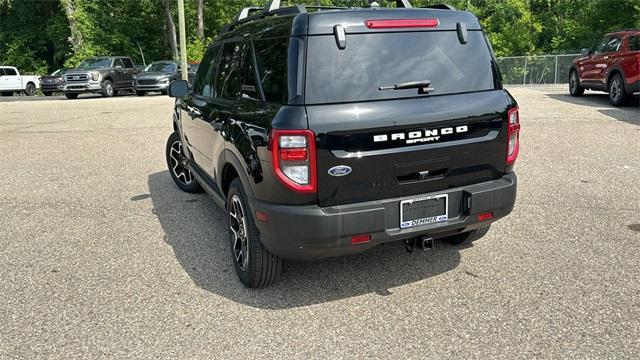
[[262, 217], [401, 24], [359, 239], [485, 216]]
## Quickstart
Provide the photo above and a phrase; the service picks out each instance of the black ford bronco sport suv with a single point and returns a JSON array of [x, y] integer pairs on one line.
[[326, 132]]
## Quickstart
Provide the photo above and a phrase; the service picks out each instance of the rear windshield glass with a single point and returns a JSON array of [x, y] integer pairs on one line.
[[371, 61]]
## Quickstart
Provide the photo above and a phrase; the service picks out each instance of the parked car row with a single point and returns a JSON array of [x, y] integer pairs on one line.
[[108, 76], [613, 66], [12, 81]]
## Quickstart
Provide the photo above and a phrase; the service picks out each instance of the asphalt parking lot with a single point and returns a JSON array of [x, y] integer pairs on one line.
[[102, 256]]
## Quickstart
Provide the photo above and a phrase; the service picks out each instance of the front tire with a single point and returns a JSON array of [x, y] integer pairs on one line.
[[107, 89], [178, 165], [575, 89], [46, 93], [468, 237], [7, 93], [71, 96], [140, 93], [255, 265], [30, 89], [618, 96]]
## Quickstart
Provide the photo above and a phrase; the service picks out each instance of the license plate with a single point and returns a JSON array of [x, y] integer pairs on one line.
[[423, 210]]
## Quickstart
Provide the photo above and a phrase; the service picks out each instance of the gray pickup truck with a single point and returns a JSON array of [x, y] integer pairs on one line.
[[101, 75]]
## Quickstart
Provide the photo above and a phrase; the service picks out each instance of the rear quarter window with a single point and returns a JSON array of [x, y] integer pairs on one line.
[[371, 61], [634, 43], [271, 58]]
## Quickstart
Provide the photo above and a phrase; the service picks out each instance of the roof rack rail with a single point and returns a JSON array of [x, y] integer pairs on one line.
[[318, 7], [249, 14], [245, 15], [440, 6]]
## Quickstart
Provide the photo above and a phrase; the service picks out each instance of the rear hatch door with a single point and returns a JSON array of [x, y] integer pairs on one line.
[[400, 143]]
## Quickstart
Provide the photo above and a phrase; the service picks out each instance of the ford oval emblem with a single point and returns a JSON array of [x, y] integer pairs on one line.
[[340, 170]]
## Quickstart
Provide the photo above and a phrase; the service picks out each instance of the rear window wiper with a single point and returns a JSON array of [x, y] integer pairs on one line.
[[423, 86]]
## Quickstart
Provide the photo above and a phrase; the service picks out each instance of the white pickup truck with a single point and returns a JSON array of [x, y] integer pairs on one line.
[[11, 81]]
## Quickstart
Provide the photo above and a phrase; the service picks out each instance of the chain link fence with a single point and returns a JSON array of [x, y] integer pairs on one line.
[[534, 70]]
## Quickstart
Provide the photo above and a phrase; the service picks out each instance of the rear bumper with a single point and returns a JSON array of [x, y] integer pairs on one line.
[[312, 232]]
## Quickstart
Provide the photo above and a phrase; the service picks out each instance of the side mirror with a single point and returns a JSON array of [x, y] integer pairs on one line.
[[585, 52], [178, 88]]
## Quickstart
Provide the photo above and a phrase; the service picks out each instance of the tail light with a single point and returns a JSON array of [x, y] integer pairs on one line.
[[513, 135], [293, 157]]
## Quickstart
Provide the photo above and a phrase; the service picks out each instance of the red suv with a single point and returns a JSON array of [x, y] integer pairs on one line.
[[612, 66]]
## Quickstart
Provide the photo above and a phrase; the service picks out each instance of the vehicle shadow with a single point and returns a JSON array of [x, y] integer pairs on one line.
[[629, 113], [196, 230]]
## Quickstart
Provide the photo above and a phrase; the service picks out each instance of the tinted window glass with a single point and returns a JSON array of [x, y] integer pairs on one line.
[[613, 44], [602, 46], [10, 72], [271, 56], [634, 43], [1, 71], [228, 76], [249, 89], [371, 61], [204, 78], [127, 63]]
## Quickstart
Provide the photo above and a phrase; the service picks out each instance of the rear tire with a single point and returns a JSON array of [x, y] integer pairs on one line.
[[71, 96], [470, 236], [575, 89], [178, 165], [255, 265], [30, 89], [164, 92], [618, 96], [46, 93], [140, 93], [7, 93]]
